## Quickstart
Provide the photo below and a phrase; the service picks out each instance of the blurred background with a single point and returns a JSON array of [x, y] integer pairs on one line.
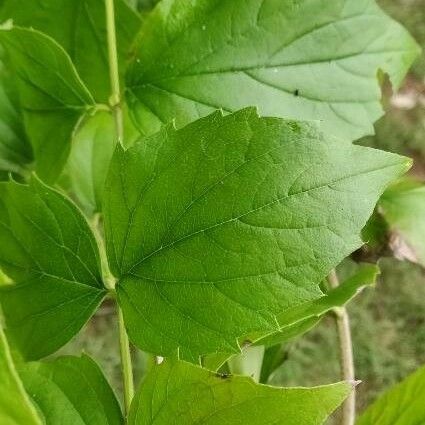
[[388, 321]]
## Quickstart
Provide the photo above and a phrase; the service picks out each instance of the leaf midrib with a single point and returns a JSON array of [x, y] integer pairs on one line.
[[270, 57], [287, 196]]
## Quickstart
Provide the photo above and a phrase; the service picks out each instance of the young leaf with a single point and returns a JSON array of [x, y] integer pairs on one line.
[[92, 148], [403, 404], [52, 95], [15, 405], [307, 60], [71, 391], [91, 152], [274, 357], [79, 26], [215, 229], [168, 392], [403, 207], [48, 249], [300, 319], [15, 149]]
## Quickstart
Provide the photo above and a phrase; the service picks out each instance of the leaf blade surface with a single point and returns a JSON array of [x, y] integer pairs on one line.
[[215, 229], [49, 252], [306, 60], [52, 96], [168, 393]]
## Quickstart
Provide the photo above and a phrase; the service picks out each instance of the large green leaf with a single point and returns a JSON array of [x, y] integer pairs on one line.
[[304, 59], [51, 93], [71, 391], [168, 393], [79, 26], [215, 229], [48, 249], [15, 149], [15, 405], [403, 207], [403, 404]]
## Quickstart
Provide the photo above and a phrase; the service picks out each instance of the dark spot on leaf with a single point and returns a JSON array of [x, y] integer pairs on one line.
[[296, 92], [295, 127], [223, 375]]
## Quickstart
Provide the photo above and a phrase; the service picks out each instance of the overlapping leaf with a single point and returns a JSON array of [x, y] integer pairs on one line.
[[79, 26], [15, 405], [92, 148], [15, 148], [71, 391], [307, 60], [48, 249], [51, 94], [300, 319], [66, 391], [183, 394], [403, 207], [215, 229], [403, 404]]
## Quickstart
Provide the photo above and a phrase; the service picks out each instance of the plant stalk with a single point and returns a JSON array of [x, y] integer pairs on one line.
[[115, 98], [126, 363], [115, 101], [346, 355]]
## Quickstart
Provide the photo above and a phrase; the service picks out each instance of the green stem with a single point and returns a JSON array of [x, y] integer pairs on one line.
[[108, 278], [126, 364], [346, 354], [115, 101]]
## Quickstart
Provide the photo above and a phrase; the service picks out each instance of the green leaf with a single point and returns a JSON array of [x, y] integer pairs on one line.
[[402, 404], [48, 249], [306, 60], [215, 229], [15, 149], [403, 207], [300, 319], [375, 234], [51, 93], [71, 391], [92, 148], [79, 26], [168, 392], [15, 406], [88, 163], [274, 357]]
